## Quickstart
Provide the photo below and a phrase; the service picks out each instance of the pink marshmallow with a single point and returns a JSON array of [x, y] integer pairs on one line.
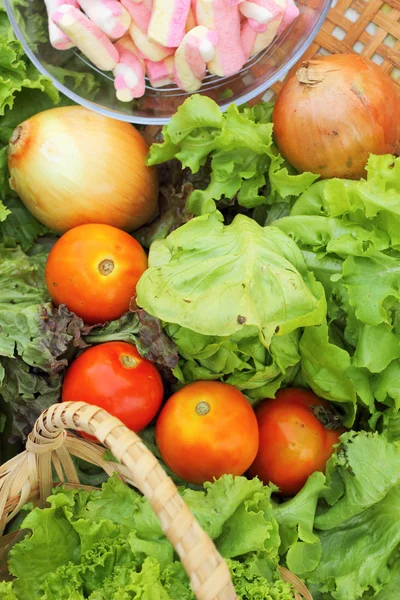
[[260, 15], [291, 13], [109, 16], [140, 12], [168, 22], [130, 71], [224, 20], [146, 47], [276, 10], [90, 40], [191, 21], [254, 42], [161, 73], [195, 51], [58, 39], [248, 38]]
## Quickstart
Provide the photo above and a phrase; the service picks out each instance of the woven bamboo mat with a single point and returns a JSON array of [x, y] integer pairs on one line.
[[370, 28]]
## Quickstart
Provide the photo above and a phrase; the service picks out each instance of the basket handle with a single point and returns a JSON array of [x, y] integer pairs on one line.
[[208, 572]]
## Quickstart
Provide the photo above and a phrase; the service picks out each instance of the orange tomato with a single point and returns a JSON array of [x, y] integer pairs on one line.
[[115, 377], [293, 442], [93, 270], [205, 430]]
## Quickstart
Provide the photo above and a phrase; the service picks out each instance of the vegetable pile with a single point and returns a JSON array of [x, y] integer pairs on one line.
[[250, 332], [342, 535]]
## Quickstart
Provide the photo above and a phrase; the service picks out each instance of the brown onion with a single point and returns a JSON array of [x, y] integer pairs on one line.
[[333, 112], [71, 166]]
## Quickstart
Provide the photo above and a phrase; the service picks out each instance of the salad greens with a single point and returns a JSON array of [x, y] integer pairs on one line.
[[348, 234], [260, 277], [243, 264], [240, 149], [109, 544], [340, 533], [251, 342], [358, 522]]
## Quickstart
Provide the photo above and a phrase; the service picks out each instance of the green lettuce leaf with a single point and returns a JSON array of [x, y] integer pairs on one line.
[[16, 73], [262, 296], [347, 232], [241, 360], [358, 524], [244, 264], [237, 514], [6, 591], [372, 203], [20, 226], [251, 584], [239, 146], [373, 276], [110, 545], [325, 368], [391, 426], [296, 516], [389, 591], [53, 542], [144, 584]]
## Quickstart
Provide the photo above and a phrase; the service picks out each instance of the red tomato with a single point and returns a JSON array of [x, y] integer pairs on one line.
[[115, 377], [205, 430], [293, 442], [94, 269]]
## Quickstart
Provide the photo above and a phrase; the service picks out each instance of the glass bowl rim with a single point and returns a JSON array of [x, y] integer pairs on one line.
[[239, 100]]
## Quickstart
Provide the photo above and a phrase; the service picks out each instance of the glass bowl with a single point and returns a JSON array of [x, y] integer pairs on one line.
[[78, 79]]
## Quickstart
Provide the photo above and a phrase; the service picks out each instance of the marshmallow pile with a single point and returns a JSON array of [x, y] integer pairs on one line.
[[169, 41]]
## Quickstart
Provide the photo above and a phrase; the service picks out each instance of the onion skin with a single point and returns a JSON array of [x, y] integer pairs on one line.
[[335, 111], [71, 166]]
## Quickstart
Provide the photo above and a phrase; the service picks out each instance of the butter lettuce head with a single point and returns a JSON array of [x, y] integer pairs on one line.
[[218, 280], [233, 298]]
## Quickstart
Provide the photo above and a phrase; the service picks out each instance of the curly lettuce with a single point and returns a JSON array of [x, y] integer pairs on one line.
[[343, 537], [348, 234], [238, 145], [109, 544]]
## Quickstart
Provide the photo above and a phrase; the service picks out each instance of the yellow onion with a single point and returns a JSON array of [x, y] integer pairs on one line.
[[71, 166], [333, 112]]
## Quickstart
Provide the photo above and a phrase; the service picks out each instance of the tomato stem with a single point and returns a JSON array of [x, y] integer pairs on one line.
[[203, 408], [106, 267], [128, 361]]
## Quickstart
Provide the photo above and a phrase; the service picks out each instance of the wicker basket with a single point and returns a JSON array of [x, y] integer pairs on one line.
[[28, 477]]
